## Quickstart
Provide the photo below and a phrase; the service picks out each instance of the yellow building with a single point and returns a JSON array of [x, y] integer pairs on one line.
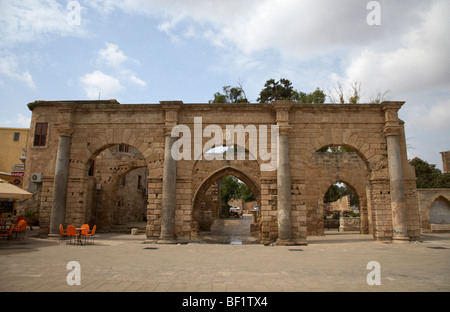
[[13, 142]]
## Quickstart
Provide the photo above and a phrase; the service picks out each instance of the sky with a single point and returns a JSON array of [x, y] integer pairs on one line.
[[146, 51]]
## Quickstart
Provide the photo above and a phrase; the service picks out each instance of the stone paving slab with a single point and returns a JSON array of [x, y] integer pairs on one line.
[[124, 263]]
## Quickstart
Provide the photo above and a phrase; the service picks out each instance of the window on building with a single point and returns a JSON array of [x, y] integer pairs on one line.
[[40, 134], [16, 136]]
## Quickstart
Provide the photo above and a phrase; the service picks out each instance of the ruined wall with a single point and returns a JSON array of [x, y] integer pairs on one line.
[[446, 161], [94, 126], [325, 169], [426, 198]]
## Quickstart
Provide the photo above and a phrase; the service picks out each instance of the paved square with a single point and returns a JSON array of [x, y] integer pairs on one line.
[[123, 262]]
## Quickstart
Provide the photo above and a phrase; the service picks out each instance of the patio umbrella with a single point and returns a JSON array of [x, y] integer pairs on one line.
[[8, 190]]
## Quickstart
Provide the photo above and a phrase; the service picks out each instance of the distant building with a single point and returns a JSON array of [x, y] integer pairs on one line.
[[446, 161], [13, 143]]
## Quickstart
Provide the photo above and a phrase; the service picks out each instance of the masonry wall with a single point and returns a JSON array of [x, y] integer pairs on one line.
[[97, 125], [425, 199]]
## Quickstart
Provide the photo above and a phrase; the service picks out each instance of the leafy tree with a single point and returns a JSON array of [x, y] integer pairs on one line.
[[335, 149], [316, 97], [337, 191], [337, 95], [276, 90], [229, 189], [283, 90], [231, 95], [428, 176], [245, 193], [233, 188]]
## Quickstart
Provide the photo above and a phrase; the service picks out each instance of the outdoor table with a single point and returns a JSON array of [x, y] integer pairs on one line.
[[79, 235]]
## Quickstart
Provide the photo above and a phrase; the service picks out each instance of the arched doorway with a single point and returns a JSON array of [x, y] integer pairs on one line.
[[220, 220], [440, 211], [117, 182], [341, 208], [336, 166]]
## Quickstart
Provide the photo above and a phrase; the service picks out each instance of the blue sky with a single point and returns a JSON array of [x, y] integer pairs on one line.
[[140, 51]]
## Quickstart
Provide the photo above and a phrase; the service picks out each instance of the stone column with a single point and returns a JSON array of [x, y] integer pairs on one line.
[[60, 182], [392, 133], [169, 190], [283, 173], [61, 178]]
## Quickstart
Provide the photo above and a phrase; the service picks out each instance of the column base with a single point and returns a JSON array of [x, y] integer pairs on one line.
[[54, 236], [285, 242], [167, 241], [401, 240]]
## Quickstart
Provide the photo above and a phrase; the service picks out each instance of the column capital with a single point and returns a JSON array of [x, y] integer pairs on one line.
[[282, 108], [171, 105], [391, 113], [65, 131], [392, 131]]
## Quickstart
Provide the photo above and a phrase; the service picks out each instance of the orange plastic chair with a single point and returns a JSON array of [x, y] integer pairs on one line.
[[63, 235], [19, 230], [91, 235], [84, 230], [8, 234], [71, 233]]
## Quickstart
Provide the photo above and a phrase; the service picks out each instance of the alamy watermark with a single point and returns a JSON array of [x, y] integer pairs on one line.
[[257, 143], [374, 16], [74, 276], [74, 16], [374, 276]]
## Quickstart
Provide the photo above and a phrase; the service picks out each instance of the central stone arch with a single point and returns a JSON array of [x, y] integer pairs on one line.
[[199, 194]]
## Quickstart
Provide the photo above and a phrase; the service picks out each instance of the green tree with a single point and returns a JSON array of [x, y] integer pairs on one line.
[[231, 95], [229, 190], [245, 193], [316, 97], [337, 191], [335, 149], [428, 176], [276, 90], [232, 188]]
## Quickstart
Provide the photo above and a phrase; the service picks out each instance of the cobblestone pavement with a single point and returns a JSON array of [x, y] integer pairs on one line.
[[123, 262]]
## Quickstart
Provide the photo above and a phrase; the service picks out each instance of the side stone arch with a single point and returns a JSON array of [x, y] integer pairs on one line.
[[426, 199]]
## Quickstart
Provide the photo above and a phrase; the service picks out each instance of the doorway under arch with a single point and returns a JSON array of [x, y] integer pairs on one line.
[[117, 182], [215, 222], [341, 208]]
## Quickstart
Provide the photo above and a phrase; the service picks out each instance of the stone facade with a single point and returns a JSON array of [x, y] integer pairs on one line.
[[289, 198], [434, 207], [446, 161]]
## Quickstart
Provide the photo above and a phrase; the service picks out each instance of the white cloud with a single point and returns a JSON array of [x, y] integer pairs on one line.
[[10, 68], [98, 83], [20, 121], [431, 116], [111, 55], [137, 80], [419, 63], [30, 20]]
